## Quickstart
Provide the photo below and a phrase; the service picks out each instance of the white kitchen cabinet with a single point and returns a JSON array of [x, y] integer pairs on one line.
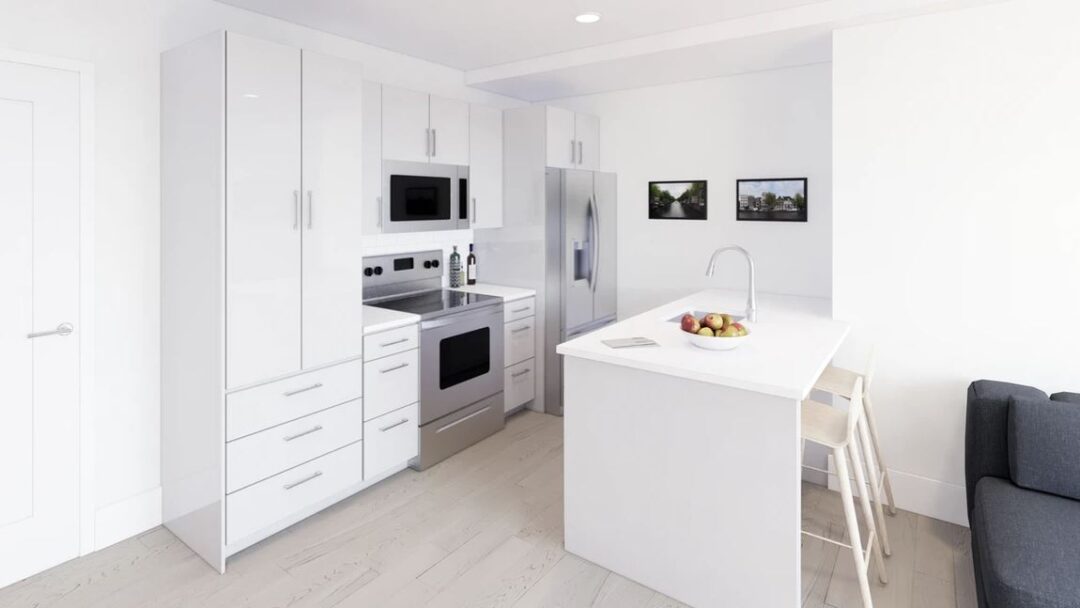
[[261, 158], [587, 133], [573, 139], [406, 132], [332, 157], [422, 128], [391, 439], [371, 175], [449, 122], [262, 213], [485, 167], [520, 384], [561, 142], [391, 382]]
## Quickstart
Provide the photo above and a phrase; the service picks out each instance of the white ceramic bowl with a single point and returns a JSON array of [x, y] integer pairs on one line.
[[717, 342]]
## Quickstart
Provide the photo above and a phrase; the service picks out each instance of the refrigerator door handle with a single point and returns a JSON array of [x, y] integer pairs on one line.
[[594, 245]]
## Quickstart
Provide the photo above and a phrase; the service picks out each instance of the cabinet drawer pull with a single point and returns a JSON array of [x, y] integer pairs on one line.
[[393, 342], [520, 329], [521, 373], [303, 390], [316, 428], [520, 309], [301, 482], [398, 423], [394, 369]]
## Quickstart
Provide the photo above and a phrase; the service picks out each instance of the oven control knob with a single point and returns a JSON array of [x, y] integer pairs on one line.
[[434, 263], [427, 264], [378, 270], [368, 271]]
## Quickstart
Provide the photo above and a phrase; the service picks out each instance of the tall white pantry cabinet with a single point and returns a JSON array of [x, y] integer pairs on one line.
[[262, 336]]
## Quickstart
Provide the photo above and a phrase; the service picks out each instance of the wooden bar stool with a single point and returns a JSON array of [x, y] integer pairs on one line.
[[840, 381], [837, 430]]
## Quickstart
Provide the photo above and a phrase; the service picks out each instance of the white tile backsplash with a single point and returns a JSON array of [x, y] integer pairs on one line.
[[407, 242]]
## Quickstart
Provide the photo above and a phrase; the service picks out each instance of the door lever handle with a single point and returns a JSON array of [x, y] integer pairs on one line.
[[63, 329]]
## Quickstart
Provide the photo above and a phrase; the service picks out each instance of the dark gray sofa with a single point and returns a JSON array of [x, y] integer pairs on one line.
[[1023, 493]]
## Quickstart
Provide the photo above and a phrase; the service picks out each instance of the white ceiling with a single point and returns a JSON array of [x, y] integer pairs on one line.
[[470, 34], [535, 51]]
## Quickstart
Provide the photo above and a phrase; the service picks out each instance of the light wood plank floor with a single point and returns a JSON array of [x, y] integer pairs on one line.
[[483, 529]]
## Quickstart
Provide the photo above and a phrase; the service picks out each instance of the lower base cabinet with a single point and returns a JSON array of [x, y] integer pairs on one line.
[[391, 439], [520, 384], [260, 506]]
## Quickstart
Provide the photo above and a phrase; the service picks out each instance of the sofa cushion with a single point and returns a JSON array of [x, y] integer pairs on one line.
[[1028, 544], [1044, 445], [1069, 397]]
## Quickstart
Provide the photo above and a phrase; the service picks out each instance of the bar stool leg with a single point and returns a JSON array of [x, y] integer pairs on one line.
[[868, 515], [853, 526], [868, 411], [875, 492]]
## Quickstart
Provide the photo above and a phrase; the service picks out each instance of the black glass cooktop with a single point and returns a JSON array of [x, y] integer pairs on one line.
[[436, 302]]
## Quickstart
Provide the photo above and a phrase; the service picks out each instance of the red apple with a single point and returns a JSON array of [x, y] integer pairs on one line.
[[713, 321], [690, 324]]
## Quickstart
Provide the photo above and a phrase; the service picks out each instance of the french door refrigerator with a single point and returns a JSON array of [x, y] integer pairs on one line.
[[580, 282]]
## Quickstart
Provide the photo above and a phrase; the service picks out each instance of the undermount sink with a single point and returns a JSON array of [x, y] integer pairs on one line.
[[698, 314]]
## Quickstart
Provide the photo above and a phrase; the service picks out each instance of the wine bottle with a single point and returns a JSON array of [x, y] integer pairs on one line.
[[470, 267]]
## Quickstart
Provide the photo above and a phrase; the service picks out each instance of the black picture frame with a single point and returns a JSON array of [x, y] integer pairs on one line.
[[744, 207], [696, 208]]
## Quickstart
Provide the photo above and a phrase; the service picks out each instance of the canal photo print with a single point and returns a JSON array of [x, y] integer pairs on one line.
[[771, 200], [686, 200]]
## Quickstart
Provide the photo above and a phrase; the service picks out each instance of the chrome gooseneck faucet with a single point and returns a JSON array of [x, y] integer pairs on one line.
[[751, 299]]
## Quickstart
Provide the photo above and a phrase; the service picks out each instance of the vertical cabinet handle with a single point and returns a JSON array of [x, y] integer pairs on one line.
[[427, 142], [472, 214], [573, 152], [309, 205], [296, 209], [580, 152], [434, 143]]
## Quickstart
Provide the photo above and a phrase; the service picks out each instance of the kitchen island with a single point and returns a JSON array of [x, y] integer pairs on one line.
[[683, 465]]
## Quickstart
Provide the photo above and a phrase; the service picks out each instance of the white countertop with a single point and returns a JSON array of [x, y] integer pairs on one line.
[[790, 345], [382, 319], [508, 294]]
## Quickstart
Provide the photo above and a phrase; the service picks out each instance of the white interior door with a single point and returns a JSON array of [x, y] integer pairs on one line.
[[333, 207], [39, 270], [450, 131], [485, 167], [262, 211], [405, 132]]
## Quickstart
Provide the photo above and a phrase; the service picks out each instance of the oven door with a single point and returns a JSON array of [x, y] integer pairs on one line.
[[420, 197], [461, 361]]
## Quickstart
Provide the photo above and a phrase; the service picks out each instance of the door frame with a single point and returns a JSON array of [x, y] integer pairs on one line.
[[85, 408]]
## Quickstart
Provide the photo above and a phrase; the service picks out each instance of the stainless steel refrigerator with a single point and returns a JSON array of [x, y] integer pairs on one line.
[[580, 281]]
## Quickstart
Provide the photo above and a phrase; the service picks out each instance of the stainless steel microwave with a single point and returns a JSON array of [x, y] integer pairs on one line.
[[424, 196]]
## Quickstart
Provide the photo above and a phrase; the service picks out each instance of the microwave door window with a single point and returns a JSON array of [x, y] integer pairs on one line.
[[464, 357], [415, 198]]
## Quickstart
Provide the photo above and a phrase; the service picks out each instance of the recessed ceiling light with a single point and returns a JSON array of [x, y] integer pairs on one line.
[[587, 18]]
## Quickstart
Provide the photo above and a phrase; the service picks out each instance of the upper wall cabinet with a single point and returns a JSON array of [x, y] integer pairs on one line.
[[486, 168], [372, 176], [573, 140], [423, 128]]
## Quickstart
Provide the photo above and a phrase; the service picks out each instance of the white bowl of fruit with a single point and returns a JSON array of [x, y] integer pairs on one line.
[[714, 331]]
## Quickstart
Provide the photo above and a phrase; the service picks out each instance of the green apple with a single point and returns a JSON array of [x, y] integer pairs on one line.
[[730, 332], [705, 331], [713, 321]]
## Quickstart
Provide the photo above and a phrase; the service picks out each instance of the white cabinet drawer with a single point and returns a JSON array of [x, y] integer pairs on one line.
[[519, 338], [391, 439], [392, 382], [266, 453], [255, 409], [391, 342], [272, 500], [519, 309], [520, 384]]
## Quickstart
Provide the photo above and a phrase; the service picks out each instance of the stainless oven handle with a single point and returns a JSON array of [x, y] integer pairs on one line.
[[457, 422], [495, 312]]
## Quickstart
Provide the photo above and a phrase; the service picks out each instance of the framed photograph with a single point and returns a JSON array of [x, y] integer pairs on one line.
[[686, 200], [771, 200]]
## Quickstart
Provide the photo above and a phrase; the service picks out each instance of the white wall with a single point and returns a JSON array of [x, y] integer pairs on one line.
[[957, 232], [123, 39], [765, 124]]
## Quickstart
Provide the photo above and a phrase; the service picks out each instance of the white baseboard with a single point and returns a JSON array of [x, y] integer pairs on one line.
[[930, 497], [126, 518]]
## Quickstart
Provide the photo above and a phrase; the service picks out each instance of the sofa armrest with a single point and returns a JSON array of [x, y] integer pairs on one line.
[[986, 442], [1044, 445]]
